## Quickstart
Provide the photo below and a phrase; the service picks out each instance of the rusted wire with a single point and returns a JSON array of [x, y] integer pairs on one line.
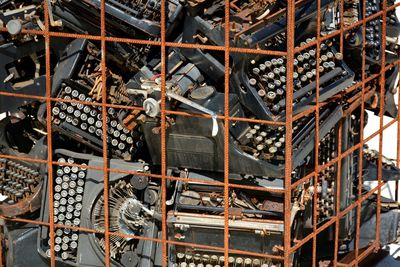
[[163, 138], [290, 37], [105, 132], [226, 133], [49, 138]]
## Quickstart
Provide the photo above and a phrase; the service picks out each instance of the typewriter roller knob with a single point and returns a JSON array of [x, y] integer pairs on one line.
[[151, 107], [139, 182], [14, 26], [130, 259], [202, 93]]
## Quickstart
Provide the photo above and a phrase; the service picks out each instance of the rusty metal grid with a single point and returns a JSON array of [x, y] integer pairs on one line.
[[289, 246]]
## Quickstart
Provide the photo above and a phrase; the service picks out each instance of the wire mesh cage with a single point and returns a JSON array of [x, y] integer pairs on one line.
[[197, 133]]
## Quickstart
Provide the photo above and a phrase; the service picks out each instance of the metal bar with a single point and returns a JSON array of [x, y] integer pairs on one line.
[[290, 37], [163, 137], [226, 132], [105, 132], [49, 138]]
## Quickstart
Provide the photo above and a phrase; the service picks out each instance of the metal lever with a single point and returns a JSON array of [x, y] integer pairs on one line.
[[54, 23], [178, 187], [172, 200], [152, 213], [198, 107], [152, 108]]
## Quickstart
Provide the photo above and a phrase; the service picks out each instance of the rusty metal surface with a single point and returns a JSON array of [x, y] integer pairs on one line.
[[28, 204]]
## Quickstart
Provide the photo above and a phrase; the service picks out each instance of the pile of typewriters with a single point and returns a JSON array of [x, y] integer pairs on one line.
[[72, 117]]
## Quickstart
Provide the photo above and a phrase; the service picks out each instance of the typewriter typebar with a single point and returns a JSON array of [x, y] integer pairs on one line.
[[78, 201]]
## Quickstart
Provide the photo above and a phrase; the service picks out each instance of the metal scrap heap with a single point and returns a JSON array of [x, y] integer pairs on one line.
[[196, 133]]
